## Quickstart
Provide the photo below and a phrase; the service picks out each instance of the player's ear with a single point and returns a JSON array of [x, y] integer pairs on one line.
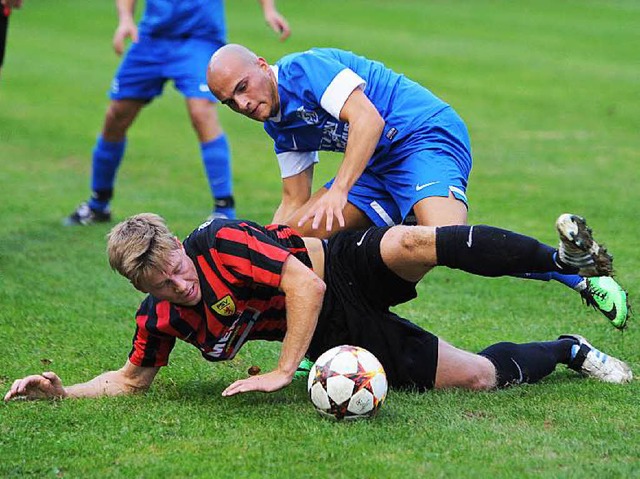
[[139, 287]]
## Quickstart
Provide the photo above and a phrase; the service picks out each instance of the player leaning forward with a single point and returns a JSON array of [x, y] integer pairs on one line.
[[233, 281], [404, 148]]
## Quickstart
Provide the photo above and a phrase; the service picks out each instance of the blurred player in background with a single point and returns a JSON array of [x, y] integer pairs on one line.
[[5, 11], [405, 150], [173, 41]]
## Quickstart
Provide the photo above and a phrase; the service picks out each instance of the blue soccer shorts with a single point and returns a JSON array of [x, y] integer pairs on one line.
[[151, 62], [433, 161]]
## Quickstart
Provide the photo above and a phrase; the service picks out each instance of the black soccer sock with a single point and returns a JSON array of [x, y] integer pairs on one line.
[[527, 363], [489, 251]]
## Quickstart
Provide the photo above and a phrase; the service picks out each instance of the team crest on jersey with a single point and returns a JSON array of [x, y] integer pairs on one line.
[[309, 117], [224, 307]]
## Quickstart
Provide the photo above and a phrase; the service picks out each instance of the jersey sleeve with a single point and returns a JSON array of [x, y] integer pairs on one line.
[[324, 80], [295, 162], [151, 346], [251, 255]]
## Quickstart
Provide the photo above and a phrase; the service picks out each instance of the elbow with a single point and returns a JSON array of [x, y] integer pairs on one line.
[[319, 287]]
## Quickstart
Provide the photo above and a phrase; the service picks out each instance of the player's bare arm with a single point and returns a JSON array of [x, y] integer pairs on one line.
[[127, 380], [304, 292], [273, 18], [296, 191], [365, 127], [127, 27]]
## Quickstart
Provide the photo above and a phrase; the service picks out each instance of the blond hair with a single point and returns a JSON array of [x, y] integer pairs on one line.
[[140, 244]]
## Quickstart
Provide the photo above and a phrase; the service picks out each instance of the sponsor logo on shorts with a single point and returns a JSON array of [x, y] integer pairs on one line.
[[422, 187]]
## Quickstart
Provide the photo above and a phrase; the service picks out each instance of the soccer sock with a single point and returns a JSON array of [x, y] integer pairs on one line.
[[217, 164], [527, 363], [489, 251], [107, 156], [573, 281]]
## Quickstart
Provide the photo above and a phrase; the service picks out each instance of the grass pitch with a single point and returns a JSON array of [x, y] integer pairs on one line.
[[549, 91]]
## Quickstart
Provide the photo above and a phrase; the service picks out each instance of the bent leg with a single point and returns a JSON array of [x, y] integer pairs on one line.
[[462, 369], [216, 154], [501, 364]]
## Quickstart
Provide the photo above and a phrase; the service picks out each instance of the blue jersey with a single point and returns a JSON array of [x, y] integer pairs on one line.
[[184, 18], [313, 86]]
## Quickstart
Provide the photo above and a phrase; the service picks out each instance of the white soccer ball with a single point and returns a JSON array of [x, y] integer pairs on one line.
[[347, 382]]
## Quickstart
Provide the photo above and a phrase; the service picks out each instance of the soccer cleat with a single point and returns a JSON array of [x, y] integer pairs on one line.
[[608, 297], [303, 369], [591, 362], [578, 248], [84, 216]]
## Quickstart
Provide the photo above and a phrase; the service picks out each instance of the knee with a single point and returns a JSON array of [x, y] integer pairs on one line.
[[118, 118], [204, 118], [416, 240], [481, 377]]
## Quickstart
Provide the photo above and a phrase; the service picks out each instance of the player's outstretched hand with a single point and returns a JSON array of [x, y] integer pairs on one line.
[[330, 205], [278, 24], [266, 383], [38, 386]]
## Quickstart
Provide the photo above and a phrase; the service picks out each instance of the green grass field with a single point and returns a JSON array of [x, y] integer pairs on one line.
[[550, 93]]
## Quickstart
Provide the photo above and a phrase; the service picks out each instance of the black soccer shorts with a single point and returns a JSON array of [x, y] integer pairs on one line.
[[360, 290]]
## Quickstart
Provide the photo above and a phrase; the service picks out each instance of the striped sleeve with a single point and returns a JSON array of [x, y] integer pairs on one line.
[[151, 346], [250, 254]]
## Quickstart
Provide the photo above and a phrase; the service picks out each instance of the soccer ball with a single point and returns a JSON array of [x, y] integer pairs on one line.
[[347, 382]]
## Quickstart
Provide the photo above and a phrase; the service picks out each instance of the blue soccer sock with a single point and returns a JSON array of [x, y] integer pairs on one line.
[[216, 157], [573, 281], [107, 156]]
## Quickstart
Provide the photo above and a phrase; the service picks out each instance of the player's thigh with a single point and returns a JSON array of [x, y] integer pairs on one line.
[[440, 211], [461, 369], [354, 218], [140, 76], [370, 195], [187, 67]]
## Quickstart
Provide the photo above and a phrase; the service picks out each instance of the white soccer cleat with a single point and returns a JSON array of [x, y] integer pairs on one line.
[[578, 248], [593, 363]]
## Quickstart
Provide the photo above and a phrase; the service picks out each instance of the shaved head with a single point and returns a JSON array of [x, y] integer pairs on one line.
[[244, 82]]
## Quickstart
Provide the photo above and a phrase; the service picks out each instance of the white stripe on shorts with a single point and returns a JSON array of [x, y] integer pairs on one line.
[[381, 213]]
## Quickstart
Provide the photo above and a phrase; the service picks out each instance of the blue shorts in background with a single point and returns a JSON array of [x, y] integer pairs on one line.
[[152, 61]]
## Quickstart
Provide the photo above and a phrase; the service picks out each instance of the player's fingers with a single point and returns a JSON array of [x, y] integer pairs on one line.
[[13, 390], [340, 217], [317, 219], [329, 219]]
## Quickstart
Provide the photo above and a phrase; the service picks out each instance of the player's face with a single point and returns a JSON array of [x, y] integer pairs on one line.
[[250, 90], [177, 283]]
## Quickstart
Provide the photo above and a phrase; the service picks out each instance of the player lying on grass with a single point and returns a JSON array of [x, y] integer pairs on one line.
[[404, 148], [232, 281]]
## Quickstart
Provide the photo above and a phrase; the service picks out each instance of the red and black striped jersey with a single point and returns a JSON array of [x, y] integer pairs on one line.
[[239, 264]]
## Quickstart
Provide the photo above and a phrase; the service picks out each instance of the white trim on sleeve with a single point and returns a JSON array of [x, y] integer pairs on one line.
[[294, 162], [338, 91]]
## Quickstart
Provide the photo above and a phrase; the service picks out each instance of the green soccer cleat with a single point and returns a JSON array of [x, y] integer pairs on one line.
[[608, 297], [303, 369]]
